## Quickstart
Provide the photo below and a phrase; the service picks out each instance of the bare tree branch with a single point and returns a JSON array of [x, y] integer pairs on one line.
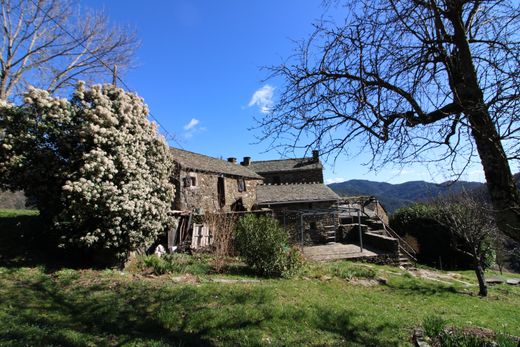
[[51, 44], [412, 81]]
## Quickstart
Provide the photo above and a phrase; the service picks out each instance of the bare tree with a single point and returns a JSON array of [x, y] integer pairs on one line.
[[51, 44], [473, 229], [412, 81]]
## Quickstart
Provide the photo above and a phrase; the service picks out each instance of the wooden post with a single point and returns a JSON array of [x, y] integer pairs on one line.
[[301, 227], [360, 232]]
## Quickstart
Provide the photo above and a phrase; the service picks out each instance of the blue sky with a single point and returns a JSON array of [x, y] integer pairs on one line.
[[199, 71]]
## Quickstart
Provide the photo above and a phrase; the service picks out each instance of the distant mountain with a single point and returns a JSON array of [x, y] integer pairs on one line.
[[393, 196]]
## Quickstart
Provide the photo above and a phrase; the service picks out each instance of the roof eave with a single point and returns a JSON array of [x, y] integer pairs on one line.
[[295, 201]]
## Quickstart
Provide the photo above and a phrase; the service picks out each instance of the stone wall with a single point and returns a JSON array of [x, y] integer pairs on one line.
[[203, 195], [378, 210], [288, 216], [295, 176]]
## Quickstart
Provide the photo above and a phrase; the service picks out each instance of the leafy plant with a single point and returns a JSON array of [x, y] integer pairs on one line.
[[434, 326], [459, 339], [176, 264], [503, 340], [263, 245]]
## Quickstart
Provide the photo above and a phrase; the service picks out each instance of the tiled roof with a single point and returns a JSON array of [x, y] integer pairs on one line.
[[285, 165], [293, 193], [204, 163]]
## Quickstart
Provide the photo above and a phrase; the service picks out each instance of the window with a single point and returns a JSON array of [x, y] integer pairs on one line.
[[241, 185], [221, 192], [190, 180]]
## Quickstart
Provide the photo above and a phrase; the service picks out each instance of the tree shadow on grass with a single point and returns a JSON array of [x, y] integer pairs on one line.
[[353, 331], [240, 269], [24, 242], [422, 287], [46, 314], [45, 310]]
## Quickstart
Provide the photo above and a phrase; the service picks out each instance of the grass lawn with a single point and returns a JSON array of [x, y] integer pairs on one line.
[[339, 303]]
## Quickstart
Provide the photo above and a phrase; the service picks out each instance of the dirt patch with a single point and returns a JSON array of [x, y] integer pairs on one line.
[[447, 278], [230, 280], [188, 278], [364, 282]]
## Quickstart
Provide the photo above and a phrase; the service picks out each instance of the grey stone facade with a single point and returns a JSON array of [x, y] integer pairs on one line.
[[300, 176], [298, 170], [203, 196], [206, 184]]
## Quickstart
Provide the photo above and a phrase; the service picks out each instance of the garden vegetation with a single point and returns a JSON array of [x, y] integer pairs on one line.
[[94, 165]]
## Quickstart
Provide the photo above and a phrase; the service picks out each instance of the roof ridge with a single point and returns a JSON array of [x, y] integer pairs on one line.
[[293, 184], [231, 168], [204, 155], [263, 161]]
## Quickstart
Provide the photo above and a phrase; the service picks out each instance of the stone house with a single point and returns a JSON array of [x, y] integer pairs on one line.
[[206, 184], [297, 170], [209, 184], [292, 184]]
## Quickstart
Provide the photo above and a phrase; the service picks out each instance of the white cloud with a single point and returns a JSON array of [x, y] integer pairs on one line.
[[335, 180], [193, 123], [263, 98], [192, 128]]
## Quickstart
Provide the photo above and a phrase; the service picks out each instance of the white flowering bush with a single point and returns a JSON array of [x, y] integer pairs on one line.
[[36, 141], [107, 170]]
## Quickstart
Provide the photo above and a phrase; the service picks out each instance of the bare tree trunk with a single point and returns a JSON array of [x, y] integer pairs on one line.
[[500, 183], [481, 280]]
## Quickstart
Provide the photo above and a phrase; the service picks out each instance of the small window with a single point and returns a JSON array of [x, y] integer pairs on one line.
[[190, 180], [241, 185], [221, 192]]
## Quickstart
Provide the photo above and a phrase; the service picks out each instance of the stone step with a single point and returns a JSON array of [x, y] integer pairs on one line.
[[323, 257]]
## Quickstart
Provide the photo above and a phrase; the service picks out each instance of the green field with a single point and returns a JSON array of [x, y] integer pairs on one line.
[[339, 303]]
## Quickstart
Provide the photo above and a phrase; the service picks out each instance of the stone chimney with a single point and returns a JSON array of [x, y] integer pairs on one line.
[[232, 160], [246, 161], [316, 155]]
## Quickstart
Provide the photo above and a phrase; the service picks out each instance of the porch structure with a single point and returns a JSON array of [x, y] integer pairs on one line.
[[336, 251]]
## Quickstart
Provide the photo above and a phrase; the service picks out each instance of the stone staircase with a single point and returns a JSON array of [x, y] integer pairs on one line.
[[330, 233], [375, 226], [405, 261]]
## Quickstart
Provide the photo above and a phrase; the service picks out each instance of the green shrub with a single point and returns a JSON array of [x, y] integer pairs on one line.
[[434, 326], [435, 241], [263, 245], [158, 265], [459, 339], [503, 340]]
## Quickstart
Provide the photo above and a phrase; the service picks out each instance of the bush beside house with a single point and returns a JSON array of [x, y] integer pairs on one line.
[[264, 246]]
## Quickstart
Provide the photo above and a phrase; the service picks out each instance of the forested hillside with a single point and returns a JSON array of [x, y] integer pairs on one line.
[[393, 196]]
